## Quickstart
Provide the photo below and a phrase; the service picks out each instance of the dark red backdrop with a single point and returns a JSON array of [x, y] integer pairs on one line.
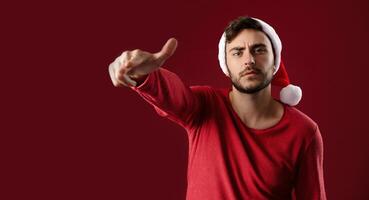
[[67, 133]]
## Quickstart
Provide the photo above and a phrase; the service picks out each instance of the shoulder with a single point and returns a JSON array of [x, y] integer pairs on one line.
[[300, 118], [306, 129], [301, 122], [210, 97], [208, 91], [201, 88]]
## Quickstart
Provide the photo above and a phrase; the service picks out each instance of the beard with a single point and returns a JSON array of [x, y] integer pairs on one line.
[[251, 89]]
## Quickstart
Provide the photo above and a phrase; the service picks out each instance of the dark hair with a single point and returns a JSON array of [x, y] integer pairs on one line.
[[241, 23], [237, 25]]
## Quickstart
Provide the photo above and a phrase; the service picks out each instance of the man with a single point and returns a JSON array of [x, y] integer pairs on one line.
[[243, 144]]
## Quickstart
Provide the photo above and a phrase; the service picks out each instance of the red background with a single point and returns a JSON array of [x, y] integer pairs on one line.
[[67, 133]]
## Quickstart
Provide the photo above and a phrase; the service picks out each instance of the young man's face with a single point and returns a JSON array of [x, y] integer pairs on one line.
[[250, 61]]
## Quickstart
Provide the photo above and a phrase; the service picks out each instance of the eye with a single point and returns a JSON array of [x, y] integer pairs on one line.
[[260, 50], [237, 53]]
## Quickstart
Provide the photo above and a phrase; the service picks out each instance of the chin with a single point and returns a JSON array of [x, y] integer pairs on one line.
[[250, 83], [249, 86]]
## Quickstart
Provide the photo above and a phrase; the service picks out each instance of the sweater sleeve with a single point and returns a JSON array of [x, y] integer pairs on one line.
[[166, 92], [310, 180]]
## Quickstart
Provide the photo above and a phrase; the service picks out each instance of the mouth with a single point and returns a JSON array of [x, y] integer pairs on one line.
[[249, 73]]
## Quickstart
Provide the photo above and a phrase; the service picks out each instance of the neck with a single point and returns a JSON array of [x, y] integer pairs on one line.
[[257, 110]]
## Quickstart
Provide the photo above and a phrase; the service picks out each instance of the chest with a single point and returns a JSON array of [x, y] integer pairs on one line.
[[227, 149]]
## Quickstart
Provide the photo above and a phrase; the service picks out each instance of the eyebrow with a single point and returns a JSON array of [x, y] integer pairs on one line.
[[239, 48]]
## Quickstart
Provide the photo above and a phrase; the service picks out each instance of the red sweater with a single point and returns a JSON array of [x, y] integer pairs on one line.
[[228, 160]]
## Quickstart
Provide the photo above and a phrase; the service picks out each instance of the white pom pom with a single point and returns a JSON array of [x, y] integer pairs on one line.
[[291, 95]]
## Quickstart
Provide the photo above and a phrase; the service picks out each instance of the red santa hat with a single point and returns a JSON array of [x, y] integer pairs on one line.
[[289, 94]]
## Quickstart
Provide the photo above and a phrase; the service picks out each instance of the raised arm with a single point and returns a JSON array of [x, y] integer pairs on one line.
[[163, 89]]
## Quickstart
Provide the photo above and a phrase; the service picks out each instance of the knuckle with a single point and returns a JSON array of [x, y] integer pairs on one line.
[[125, 55], [119, 58], [119, 76], [122, 70], [136, 51]]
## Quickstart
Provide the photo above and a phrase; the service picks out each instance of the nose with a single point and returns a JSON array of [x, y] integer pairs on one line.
[[249, 59]]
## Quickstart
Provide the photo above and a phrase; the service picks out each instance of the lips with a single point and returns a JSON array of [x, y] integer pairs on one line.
[[249, 73], [252, 72]]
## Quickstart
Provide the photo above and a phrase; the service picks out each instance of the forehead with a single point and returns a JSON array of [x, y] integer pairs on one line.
[[249, 37]]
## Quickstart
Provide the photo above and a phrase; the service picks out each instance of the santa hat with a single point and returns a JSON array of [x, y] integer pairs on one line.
[[289, 94]]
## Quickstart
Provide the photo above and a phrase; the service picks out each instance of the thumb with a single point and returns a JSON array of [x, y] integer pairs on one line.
[[167, 51]]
